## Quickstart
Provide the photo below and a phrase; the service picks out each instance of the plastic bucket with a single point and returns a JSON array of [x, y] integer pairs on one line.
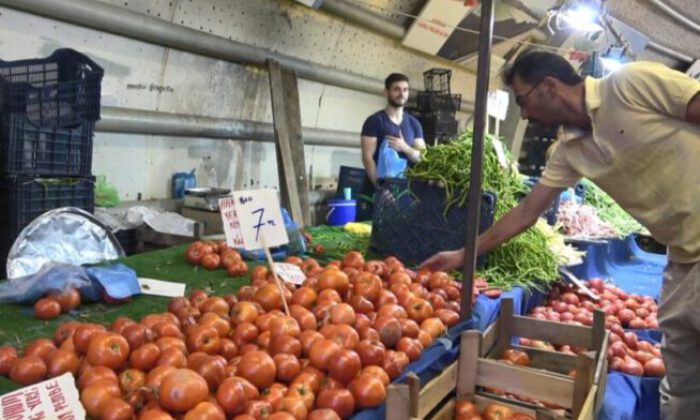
[[341, 212]]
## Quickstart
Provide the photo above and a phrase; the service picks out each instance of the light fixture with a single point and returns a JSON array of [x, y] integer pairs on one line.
[[610, 64], [579, 15]]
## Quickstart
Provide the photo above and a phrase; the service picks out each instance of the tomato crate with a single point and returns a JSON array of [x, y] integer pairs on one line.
[[411, 224], [30, 149], [478, 377], [61, 90]]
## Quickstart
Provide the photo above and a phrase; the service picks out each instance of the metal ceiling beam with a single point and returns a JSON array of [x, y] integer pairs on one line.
[[139, 121], [364, 18], [652, 45], [120, 21], [675, 15]]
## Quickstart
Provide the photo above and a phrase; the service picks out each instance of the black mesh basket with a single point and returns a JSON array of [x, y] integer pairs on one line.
[[62, 90], [410, 222], [31, 149]]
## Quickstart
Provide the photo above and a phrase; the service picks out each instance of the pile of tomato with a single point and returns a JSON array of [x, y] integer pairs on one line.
[[214, 255], [627, 353], [352, 327], [467, 410], [53, 304]]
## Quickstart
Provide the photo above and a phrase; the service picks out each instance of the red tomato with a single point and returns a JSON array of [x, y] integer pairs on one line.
[[47, 308], [28, 370], [182, 390], [368, 390], [344, 366], [339, 400], [69, 300], [109, 349]]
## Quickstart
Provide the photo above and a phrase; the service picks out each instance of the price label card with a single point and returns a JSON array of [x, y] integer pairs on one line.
[[497, 104], [260, 218], [290, 273], [232, 226], [155, 287], [500, 153], [56, 398]]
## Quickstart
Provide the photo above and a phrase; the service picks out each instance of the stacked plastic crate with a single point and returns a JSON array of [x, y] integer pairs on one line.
[[437, 107], [48, 109]]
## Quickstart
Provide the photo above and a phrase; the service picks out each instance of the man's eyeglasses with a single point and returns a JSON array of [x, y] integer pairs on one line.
[[520, 99]]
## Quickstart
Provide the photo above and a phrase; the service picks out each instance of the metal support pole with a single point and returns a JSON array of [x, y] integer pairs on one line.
[[480, 116]]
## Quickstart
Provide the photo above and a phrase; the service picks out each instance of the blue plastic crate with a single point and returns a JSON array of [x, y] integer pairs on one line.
[[410, 222]]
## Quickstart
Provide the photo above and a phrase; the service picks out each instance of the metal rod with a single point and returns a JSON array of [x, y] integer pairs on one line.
[[670, 52], [477, 164], [365, 18], [138, 121], [118, 20], [675, 15]]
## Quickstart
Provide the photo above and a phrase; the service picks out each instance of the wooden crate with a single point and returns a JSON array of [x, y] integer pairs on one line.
[[546, 379]]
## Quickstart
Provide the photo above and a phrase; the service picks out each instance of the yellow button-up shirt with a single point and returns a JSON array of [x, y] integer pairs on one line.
[[641, 151]]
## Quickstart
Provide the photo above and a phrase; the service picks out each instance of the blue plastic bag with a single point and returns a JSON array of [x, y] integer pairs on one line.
[[389, 163], [181, 181]]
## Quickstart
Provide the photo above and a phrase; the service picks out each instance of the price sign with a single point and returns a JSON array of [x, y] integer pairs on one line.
[[290, 273], [232, 227], [56, 398], [260, 219], [497, 104]]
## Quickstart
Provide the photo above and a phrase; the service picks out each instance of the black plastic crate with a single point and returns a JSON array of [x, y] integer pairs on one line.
[[411, 224], [349, 177], [436, 101], [24, 198], [30, 149], [439, 128], [437, 80], [61, 90]]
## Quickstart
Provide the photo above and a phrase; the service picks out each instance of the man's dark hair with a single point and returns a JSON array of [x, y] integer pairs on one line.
[[533, 66], [393, 78]]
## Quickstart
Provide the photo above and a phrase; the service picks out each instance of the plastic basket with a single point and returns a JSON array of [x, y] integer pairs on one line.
[[61, 90], [435, 101], [27, 148], [410, 222], [349, 177], [437, 80], [23, 198]]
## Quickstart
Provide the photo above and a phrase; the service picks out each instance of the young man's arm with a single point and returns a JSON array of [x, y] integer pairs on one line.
[[369, 145]]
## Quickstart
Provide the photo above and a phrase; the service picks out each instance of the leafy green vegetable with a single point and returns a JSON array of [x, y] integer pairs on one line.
[[525, 260]]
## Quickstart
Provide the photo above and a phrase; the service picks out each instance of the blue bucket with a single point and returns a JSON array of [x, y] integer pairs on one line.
[[341, 212]]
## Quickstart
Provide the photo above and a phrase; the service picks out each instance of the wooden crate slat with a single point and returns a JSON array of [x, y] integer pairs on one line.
[[550, 360], [553, 332], [525, 382], [398, 400], [436, 390]]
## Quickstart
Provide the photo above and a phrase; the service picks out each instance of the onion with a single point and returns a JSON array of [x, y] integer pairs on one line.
[[559, 306], [597, 284], [631, 304], [619, 349], [567, 317], [655, 367], [631, 340], [632, 367], [616, 363], [638, 324], [625, 316], [643, 357], [570, 298]]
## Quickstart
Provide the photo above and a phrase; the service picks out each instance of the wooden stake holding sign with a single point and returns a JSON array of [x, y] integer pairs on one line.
[[253, 221]]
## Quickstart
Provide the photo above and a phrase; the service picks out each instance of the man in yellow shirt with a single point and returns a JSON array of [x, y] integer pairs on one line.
[[636, 134]]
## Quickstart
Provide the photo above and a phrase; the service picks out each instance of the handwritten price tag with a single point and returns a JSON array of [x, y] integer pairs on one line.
[[259, 216], [56, 398], [232, 227], [500, 153], [290, 273]]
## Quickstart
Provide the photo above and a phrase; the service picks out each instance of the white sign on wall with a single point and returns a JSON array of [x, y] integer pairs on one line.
[[435, 24], [497, 105]]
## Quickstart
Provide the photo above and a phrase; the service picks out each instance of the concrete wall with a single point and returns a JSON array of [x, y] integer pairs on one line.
[[144, 76]]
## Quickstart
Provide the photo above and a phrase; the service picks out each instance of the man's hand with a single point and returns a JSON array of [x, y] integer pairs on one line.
[[445, 261], [399, 144]]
